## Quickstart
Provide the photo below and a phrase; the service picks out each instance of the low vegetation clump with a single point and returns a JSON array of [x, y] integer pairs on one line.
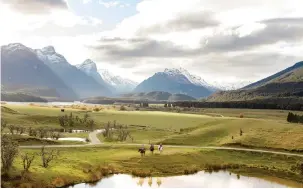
[[116, 132], [9, 151], [141, 173], [294, 118], [71, 121], [122, 108]]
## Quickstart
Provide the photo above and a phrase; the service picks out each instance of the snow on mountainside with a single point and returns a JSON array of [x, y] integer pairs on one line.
[[49, 55], [119, 83], [87, 66], [226, 86], [12, 47], [184, 76]]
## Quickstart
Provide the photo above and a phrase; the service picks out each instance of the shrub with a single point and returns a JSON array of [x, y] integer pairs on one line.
[[141, 173], [27, 160], [47, 157], [9, 151], [122, 108], [58, 182], [96, 109]]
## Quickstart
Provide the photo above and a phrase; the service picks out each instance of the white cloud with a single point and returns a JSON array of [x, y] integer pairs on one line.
[[216, 39], [238, 27], [110, 4], [87, 1]]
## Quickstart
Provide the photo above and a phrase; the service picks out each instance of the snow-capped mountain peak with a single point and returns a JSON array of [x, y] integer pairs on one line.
[[48, 50], [119, 83], [16, 46], [88, 66], [184, 75], [226, 86], [49, 56]]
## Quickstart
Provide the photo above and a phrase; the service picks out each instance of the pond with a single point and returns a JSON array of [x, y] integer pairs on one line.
[[73, 139], [221, 179]]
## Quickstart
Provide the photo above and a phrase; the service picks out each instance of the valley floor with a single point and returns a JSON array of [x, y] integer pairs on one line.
[[187, 140]]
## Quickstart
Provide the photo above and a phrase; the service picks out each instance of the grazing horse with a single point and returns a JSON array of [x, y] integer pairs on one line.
[[152, 148], [142, 151]]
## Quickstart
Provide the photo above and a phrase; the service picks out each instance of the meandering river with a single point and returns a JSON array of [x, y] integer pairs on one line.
[[221, 179]]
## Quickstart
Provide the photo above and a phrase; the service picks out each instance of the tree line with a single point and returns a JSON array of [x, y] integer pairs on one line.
[[294, 118], [70, 121], [253, 104], [34, 132], [116, 132]]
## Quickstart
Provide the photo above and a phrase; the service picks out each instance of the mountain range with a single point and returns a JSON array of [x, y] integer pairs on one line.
[[286, 83], [46, 73]]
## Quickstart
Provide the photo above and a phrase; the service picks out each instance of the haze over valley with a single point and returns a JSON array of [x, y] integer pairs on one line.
[[151, 93]]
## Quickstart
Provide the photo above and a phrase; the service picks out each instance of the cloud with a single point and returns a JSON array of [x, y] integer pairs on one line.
[[236, 39], [273, 32], [35, 6], [182, 22], [218, 40], [87, 1], [110, 4]]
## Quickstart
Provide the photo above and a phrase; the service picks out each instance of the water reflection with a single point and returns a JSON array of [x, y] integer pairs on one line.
[[219, 179]]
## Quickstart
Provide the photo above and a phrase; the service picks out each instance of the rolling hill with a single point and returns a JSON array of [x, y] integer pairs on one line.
[[20, 97], [158, 96], [286, 83]]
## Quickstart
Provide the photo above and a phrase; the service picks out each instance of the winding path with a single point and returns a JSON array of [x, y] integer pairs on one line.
[[94, 141]]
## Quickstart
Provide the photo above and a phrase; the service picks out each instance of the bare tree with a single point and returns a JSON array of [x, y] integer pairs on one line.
[[32, 132], [55, 135], [71, 120], [123, 133], [17, 128], [27, 160], [11, 129], [107, 129], [61, 121], [47, 157], [9, 151], [22, 130], [90, 124], [3, 124], [42, 133], [85, 117], [241, 132]]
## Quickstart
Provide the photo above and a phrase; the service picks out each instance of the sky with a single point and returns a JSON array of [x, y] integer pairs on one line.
[[221, 41]]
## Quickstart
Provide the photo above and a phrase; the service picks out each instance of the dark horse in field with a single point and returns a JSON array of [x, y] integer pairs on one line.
[[142, 151]]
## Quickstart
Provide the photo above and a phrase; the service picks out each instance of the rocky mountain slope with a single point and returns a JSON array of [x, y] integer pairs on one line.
[[119, 84], [83, 84], [21, 69], [176, 81], [286, 83]]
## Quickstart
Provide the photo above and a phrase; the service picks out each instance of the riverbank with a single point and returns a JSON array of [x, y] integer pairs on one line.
[[89, 164]]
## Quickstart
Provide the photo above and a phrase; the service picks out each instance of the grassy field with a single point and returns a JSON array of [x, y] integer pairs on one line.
[[265, 129], [262, 131], [228, 112], [78, 165]]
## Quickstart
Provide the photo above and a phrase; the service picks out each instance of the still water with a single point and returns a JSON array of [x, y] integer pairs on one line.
[[221, 179]]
